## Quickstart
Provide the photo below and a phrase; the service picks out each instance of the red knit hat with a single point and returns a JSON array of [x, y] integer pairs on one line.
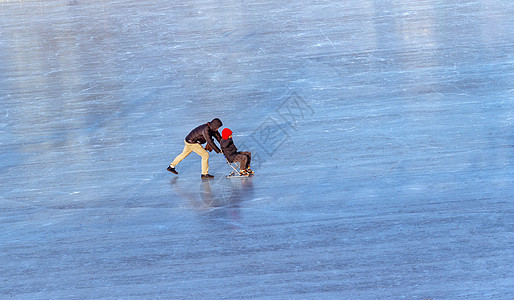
[[226, 133]]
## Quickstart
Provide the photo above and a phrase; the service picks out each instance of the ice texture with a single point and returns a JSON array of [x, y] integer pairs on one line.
[[381, 132]]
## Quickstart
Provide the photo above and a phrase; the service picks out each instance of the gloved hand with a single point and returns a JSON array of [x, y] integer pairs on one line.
[[208, 147]]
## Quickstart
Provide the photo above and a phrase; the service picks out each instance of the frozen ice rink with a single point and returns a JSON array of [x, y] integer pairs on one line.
[[381, 131]]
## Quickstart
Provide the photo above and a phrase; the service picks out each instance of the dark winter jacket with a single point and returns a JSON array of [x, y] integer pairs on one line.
[[229, 149], [205, 133]]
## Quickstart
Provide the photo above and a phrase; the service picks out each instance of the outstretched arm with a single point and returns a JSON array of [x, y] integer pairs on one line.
[[209, 140], [217, 135]]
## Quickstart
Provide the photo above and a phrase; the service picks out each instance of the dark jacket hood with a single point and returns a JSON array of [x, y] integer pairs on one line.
[[215, 124]]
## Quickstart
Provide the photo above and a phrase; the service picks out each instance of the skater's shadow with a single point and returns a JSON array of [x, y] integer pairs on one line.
[[226, 192], [215, 193]]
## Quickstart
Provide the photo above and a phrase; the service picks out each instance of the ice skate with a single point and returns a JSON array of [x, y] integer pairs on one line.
[[172, 170]]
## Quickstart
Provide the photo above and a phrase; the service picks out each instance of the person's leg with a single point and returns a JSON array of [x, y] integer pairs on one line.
[[242, 159], [187, 150], [249, 158], [198, 149]]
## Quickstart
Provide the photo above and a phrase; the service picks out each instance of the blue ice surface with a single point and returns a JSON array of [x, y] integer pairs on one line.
[[381, 134]]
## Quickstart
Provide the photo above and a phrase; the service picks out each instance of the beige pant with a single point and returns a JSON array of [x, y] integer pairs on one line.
[[196, 148]]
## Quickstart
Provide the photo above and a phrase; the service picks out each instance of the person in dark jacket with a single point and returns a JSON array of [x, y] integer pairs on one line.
[[231, 153], [193, 143]]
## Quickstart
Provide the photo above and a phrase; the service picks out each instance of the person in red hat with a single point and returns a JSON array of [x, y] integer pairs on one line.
[[229, 149]]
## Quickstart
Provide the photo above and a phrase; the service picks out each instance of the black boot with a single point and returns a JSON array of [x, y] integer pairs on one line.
[[207, 176], [172, 170]]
